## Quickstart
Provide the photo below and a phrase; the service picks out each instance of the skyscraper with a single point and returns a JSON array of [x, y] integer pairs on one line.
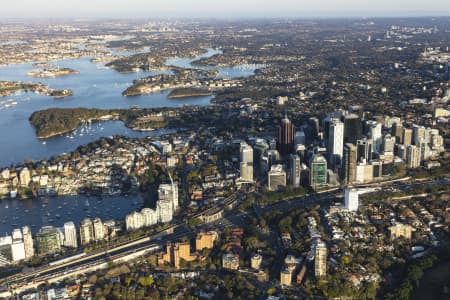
[[86, 232], [349, 163], [276, 177], [365, 149], [407, 136], [28, 242], [320, 259], [294, 170], [375, 135], [418, 134], [313, 123], [17, 246], [246, 165], [99, 230], [165, 210], [48, 240], [318, 171], [286, 134], [351, 199], [397, 131], [388, 143], [447, 70], [352, 128], [413, 156], [335, 142], [70, 235]]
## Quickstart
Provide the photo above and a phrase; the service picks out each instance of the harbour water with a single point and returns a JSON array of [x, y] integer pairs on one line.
[[58, 210], [94, 87]]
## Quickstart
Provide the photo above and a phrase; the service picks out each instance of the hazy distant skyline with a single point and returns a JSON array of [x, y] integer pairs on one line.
[[221, 9]]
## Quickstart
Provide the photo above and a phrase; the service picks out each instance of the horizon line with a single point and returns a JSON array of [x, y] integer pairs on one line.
[[240, 18]]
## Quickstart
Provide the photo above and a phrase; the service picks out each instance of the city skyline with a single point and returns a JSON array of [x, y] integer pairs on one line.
[[233, 9]]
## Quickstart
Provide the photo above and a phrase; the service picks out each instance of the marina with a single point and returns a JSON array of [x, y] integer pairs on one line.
[[58, 210]]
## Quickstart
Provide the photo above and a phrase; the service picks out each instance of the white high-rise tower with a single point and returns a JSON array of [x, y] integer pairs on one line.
[[70, 235], [246, 166], [336, 142]]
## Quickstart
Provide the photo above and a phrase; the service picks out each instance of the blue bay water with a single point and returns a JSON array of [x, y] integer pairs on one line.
[[94, 87]]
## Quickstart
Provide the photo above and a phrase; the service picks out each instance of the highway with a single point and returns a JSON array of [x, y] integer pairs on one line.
[[66, 270]]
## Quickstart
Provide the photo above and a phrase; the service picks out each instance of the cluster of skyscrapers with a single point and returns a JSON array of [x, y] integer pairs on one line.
[[21, 246], [344, 147]]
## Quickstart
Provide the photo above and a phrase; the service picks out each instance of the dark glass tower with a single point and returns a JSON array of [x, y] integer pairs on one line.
[[352, 128], [286, 134]]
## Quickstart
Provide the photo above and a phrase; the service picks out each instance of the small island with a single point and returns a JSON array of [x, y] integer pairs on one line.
[[46, 73], [188, 93], [136, 63]]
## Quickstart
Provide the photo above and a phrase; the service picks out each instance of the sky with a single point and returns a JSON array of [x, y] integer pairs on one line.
[[221, 9]]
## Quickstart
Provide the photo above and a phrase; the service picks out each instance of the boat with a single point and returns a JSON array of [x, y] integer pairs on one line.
[[44, 143]]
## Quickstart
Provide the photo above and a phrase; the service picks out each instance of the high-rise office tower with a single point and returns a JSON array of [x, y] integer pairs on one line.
[[295, 170], [407, 136], [397, 132], [246, 165], [413, 156], [276, 177], [318, 171], [320, 259], [352, 128], [286, 133], [375, 135], [349, 163], [86, 232], [70, 235], [418, 134], [447, 69], [313, 124], [351, 199], [335, 142], [300, 138], [365, 149], [388, 143]]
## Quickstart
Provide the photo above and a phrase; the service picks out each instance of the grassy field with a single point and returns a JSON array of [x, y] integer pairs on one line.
[[433, 282]]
